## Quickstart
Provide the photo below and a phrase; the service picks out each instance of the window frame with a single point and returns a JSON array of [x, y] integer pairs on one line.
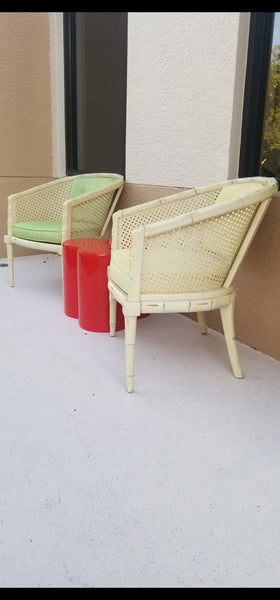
[[258, 63], [70, 78]]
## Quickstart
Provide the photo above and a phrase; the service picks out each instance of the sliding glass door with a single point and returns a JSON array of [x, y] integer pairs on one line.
[[270, 147], [260, 139]]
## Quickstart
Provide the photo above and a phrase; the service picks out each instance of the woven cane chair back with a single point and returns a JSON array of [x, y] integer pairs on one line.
[[193, 258], [43, 202]]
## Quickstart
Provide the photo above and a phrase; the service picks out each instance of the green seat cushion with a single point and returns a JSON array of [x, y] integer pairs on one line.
[[84, 185], [39, 231], [229, 192]]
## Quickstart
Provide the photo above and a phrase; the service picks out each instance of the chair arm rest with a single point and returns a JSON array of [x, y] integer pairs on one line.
[[161, 209], [88, 215]]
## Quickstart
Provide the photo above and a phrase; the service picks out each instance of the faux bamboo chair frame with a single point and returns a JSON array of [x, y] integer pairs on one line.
[[85, 215], [180, 254]]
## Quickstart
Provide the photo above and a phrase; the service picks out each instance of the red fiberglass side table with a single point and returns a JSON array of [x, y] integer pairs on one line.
[[86, 295]]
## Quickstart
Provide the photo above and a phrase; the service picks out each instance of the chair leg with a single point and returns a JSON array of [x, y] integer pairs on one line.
[[201, 319], [227, 316], [10, 256], [130, 342], [112, 314]]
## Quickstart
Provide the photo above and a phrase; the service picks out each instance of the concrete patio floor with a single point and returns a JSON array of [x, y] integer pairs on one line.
[[174, 486]]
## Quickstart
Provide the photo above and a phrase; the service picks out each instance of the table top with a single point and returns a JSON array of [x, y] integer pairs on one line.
[[92, 245]]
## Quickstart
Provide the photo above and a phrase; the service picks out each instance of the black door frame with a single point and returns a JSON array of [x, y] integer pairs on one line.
[[258, 62], [69, 32]]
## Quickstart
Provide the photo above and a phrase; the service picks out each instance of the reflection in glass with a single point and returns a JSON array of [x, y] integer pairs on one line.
[[270, 154]]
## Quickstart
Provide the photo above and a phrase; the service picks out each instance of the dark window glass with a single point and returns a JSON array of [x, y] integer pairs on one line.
[[255, 123], [270, 149], [95, 91]]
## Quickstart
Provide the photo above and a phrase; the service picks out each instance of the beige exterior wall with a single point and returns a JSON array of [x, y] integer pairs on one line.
[[25, 107], [26, 159]]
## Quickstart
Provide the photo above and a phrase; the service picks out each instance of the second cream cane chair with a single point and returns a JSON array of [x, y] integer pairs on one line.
[[78, 206], [181, 253]]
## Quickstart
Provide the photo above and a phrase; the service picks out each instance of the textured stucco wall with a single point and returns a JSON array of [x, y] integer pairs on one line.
[[180, 96]]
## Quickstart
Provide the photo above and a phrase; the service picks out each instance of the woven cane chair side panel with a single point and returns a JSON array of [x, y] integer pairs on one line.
[[88, 217], [45, 204], [195, 258], [162, 212]]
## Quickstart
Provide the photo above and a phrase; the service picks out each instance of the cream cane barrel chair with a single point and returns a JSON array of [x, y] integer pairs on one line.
[[181, 253], [78, 206]]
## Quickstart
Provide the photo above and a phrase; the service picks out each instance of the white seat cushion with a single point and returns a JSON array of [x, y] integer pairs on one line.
[[119, 267], [229, 192]]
